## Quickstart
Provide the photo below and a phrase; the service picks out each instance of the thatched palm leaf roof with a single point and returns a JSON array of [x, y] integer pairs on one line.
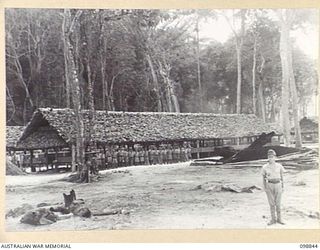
[[44, 137], [119, 127], [13, 134]]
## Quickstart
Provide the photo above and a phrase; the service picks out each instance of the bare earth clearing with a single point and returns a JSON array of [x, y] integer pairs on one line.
[[168, 197]]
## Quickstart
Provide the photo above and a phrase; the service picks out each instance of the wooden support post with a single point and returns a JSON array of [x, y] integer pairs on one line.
[[198, 148], [56, 158], [238, 141], [46, 158], [33, 169], [104, 157], [73, 158]]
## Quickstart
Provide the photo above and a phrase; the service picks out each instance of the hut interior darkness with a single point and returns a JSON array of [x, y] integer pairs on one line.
[[51, 130]]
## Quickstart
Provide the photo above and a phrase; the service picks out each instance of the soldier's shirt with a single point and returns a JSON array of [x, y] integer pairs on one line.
[[272, 171]]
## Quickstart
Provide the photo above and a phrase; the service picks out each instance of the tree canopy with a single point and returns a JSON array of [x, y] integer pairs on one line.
[[146, 60]]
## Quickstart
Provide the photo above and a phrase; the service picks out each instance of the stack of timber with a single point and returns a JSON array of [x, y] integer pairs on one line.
[[215, 160], [302, 160]]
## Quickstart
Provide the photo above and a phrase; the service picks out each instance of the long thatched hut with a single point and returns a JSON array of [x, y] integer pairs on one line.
[[55, 128]]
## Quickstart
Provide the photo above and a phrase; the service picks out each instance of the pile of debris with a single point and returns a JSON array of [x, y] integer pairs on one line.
[[228, 188], [46, 214], [299, 161], [257, 153], [259, 150]]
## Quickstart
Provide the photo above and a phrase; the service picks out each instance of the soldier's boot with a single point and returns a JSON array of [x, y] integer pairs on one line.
[[279, 220], [273, 216]]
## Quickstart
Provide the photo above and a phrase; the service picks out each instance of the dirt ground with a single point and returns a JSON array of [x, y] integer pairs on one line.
[[169, 197]]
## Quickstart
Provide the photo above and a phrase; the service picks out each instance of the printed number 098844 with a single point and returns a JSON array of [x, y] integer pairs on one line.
[[308, 245]]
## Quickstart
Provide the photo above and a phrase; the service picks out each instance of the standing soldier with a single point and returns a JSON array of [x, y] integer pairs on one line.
[[176, 154], [160, 154], [94, 166], [156, 155], [189, 151], [109, 157], [185, 152], [123, 151], [182, 154], [164, 154], [169, 154], [126, 156], [130, 156], [141, 156], [120, 157], [137, 156], [115, 157], [272, 174], [98, 159], [146, 156], [151, 155]]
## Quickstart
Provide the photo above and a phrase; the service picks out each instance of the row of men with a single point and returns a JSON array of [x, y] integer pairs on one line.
[[122, 156]]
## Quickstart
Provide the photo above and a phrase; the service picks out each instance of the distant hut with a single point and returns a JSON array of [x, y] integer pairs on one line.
[[55, 129], [13, 158], [309, 129], [13, 134]]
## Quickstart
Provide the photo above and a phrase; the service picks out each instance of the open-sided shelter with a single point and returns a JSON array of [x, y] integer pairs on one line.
[[56, 128]]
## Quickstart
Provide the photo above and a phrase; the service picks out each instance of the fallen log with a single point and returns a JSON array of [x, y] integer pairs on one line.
[[114, 212]]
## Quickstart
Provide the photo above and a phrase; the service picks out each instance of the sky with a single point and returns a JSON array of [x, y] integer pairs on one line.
[[307, 40]]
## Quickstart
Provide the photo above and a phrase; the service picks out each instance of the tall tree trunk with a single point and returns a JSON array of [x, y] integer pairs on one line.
[[254, 75], [273, 111], [239, 44], [65, 30], [294, 99], [262, 102], [12, 103], [102, 47], [19, 74], [87, 61], [260, 89], [28, 98], [104, 85], [284, 51], [76, 98], [34, 57], [105, 99], [155, 82], [91, 106], [238, 100], [198, 65], [172, 100]]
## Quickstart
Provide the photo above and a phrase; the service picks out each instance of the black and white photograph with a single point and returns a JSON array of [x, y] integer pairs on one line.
[[161, 119]]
